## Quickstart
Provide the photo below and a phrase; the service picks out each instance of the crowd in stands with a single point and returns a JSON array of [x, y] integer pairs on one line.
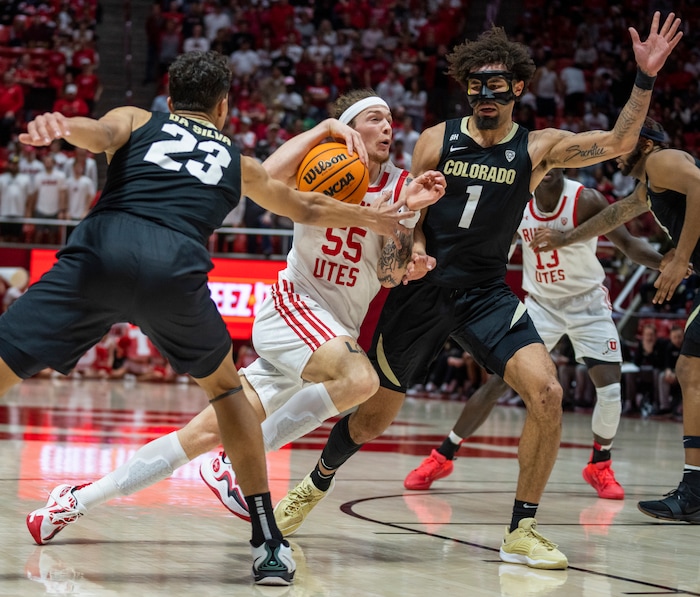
[[292, 59]]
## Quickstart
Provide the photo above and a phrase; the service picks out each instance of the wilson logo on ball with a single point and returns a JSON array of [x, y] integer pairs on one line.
[[328, 169]]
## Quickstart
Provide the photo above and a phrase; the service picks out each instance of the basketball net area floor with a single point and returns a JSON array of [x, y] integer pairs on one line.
[[369, 537]]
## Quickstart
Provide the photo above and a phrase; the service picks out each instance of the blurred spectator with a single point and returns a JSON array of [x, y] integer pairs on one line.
[[11, 104], [289, 103], [245, 60], [15, 191], [217, 19], [391, 90], [622, 185], [49, 200], [641, 386], [70, 104], [586, 55], [197, 42], [29, 162], [546, 86], [59, 155], [407, 134], [89, 164], [245, 138], [399, 156], [669, 395], [19, 282], [415, 102], [269, 143], [80, 192], [89, 86], [169, 46], [153, 26], [574, 82], [595, 120]]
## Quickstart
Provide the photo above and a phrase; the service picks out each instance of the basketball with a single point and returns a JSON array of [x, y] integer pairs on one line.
[[328, 169]]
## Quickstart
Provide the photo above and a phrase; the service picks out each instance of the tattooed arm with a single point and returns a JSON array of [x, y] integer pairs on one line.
[[394, 260], [611, 217], [551, 148]]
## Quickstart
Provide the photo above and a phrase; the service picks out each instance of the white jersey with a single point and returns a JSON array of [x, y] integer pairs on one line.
[[14, 192], [566, 271], [337, 267], [49, 186]]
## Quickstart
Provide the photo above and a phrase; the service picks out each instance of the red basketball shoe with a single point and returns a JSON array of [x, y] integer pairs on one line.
[[434, 467], [601, 477]]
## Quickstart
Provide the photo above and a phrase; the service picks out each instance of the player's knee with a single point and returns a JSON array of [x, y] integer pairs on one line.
[[545, 402], [360, 384], [606, 414]]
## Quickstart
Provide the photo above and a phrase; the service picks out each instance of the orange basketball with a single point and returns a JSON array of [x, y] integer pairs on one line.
[[328, 169]]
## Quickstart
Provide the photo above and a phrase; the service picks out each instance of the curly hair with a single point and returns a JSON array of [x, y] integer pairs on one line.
[[491, 47], [199, 80], [351, 97]]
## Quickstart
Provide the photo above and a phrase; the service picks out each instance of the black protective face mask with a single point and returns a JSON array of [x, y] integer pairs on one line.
[[486, 92]]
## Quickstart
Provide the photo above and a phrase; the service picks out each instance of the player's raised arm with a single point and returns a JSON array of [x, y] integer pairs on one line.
[[106, 135], [562, 149]]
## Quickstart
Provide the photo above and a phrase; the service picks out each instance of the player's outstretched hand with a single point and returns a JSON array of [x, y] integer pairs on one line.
[[388, 217], [652, 53], [44, 129], [547, 239], [425, 190], [672, 271], [420, 265]]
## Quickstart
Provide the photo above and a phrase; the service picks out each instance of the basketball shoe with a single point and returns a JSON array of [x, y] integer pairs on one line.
[[220, 478], [273, 563], [294, 507], [601, 477], [434, 467], [61, 509], [526, 546], [680, 504]]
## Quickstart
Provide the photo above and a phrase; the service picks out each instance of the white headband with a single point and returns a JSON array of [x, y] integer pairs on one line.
[[347, 116]]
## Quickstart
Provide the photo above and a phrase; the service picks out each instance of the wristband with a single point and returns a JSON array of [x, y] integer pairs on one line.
[[410, 222], [644, 81]]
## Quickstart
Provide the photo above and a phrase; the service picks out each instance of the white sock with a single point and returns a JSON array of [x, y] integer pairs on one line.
[[304, 412], [454, 438], [151, 463]]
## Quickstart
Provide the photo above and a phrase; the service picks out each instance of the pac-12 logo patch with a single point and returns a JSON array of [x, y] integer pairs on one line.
[[510, 155]]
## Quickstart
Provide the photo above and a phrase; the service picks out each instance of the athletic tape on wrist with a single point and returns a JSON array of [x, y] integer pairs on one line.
[[644, 81]]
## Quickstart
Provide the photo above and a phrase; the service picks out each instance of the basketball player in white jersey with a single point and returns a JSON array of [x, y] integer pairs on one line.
[[310, 366], [565, 295]]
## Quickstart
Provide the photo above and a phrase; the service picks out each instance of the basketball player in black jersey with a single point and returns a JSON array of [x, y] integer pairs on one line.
[[141, 256], [491, 165], [669, 187]]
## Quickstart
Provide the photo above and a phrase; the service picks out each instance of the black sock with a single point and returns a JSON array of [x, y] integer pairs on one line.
[[448, 449], [599, 454], [320, 480], [522, 510], [261, 517], [337, 450], [692, 478]]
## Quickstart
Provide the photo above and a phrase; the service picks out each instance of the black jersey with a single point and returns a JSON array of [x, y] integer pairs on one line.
[[668, 208], [146, 176], [470, 229]]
